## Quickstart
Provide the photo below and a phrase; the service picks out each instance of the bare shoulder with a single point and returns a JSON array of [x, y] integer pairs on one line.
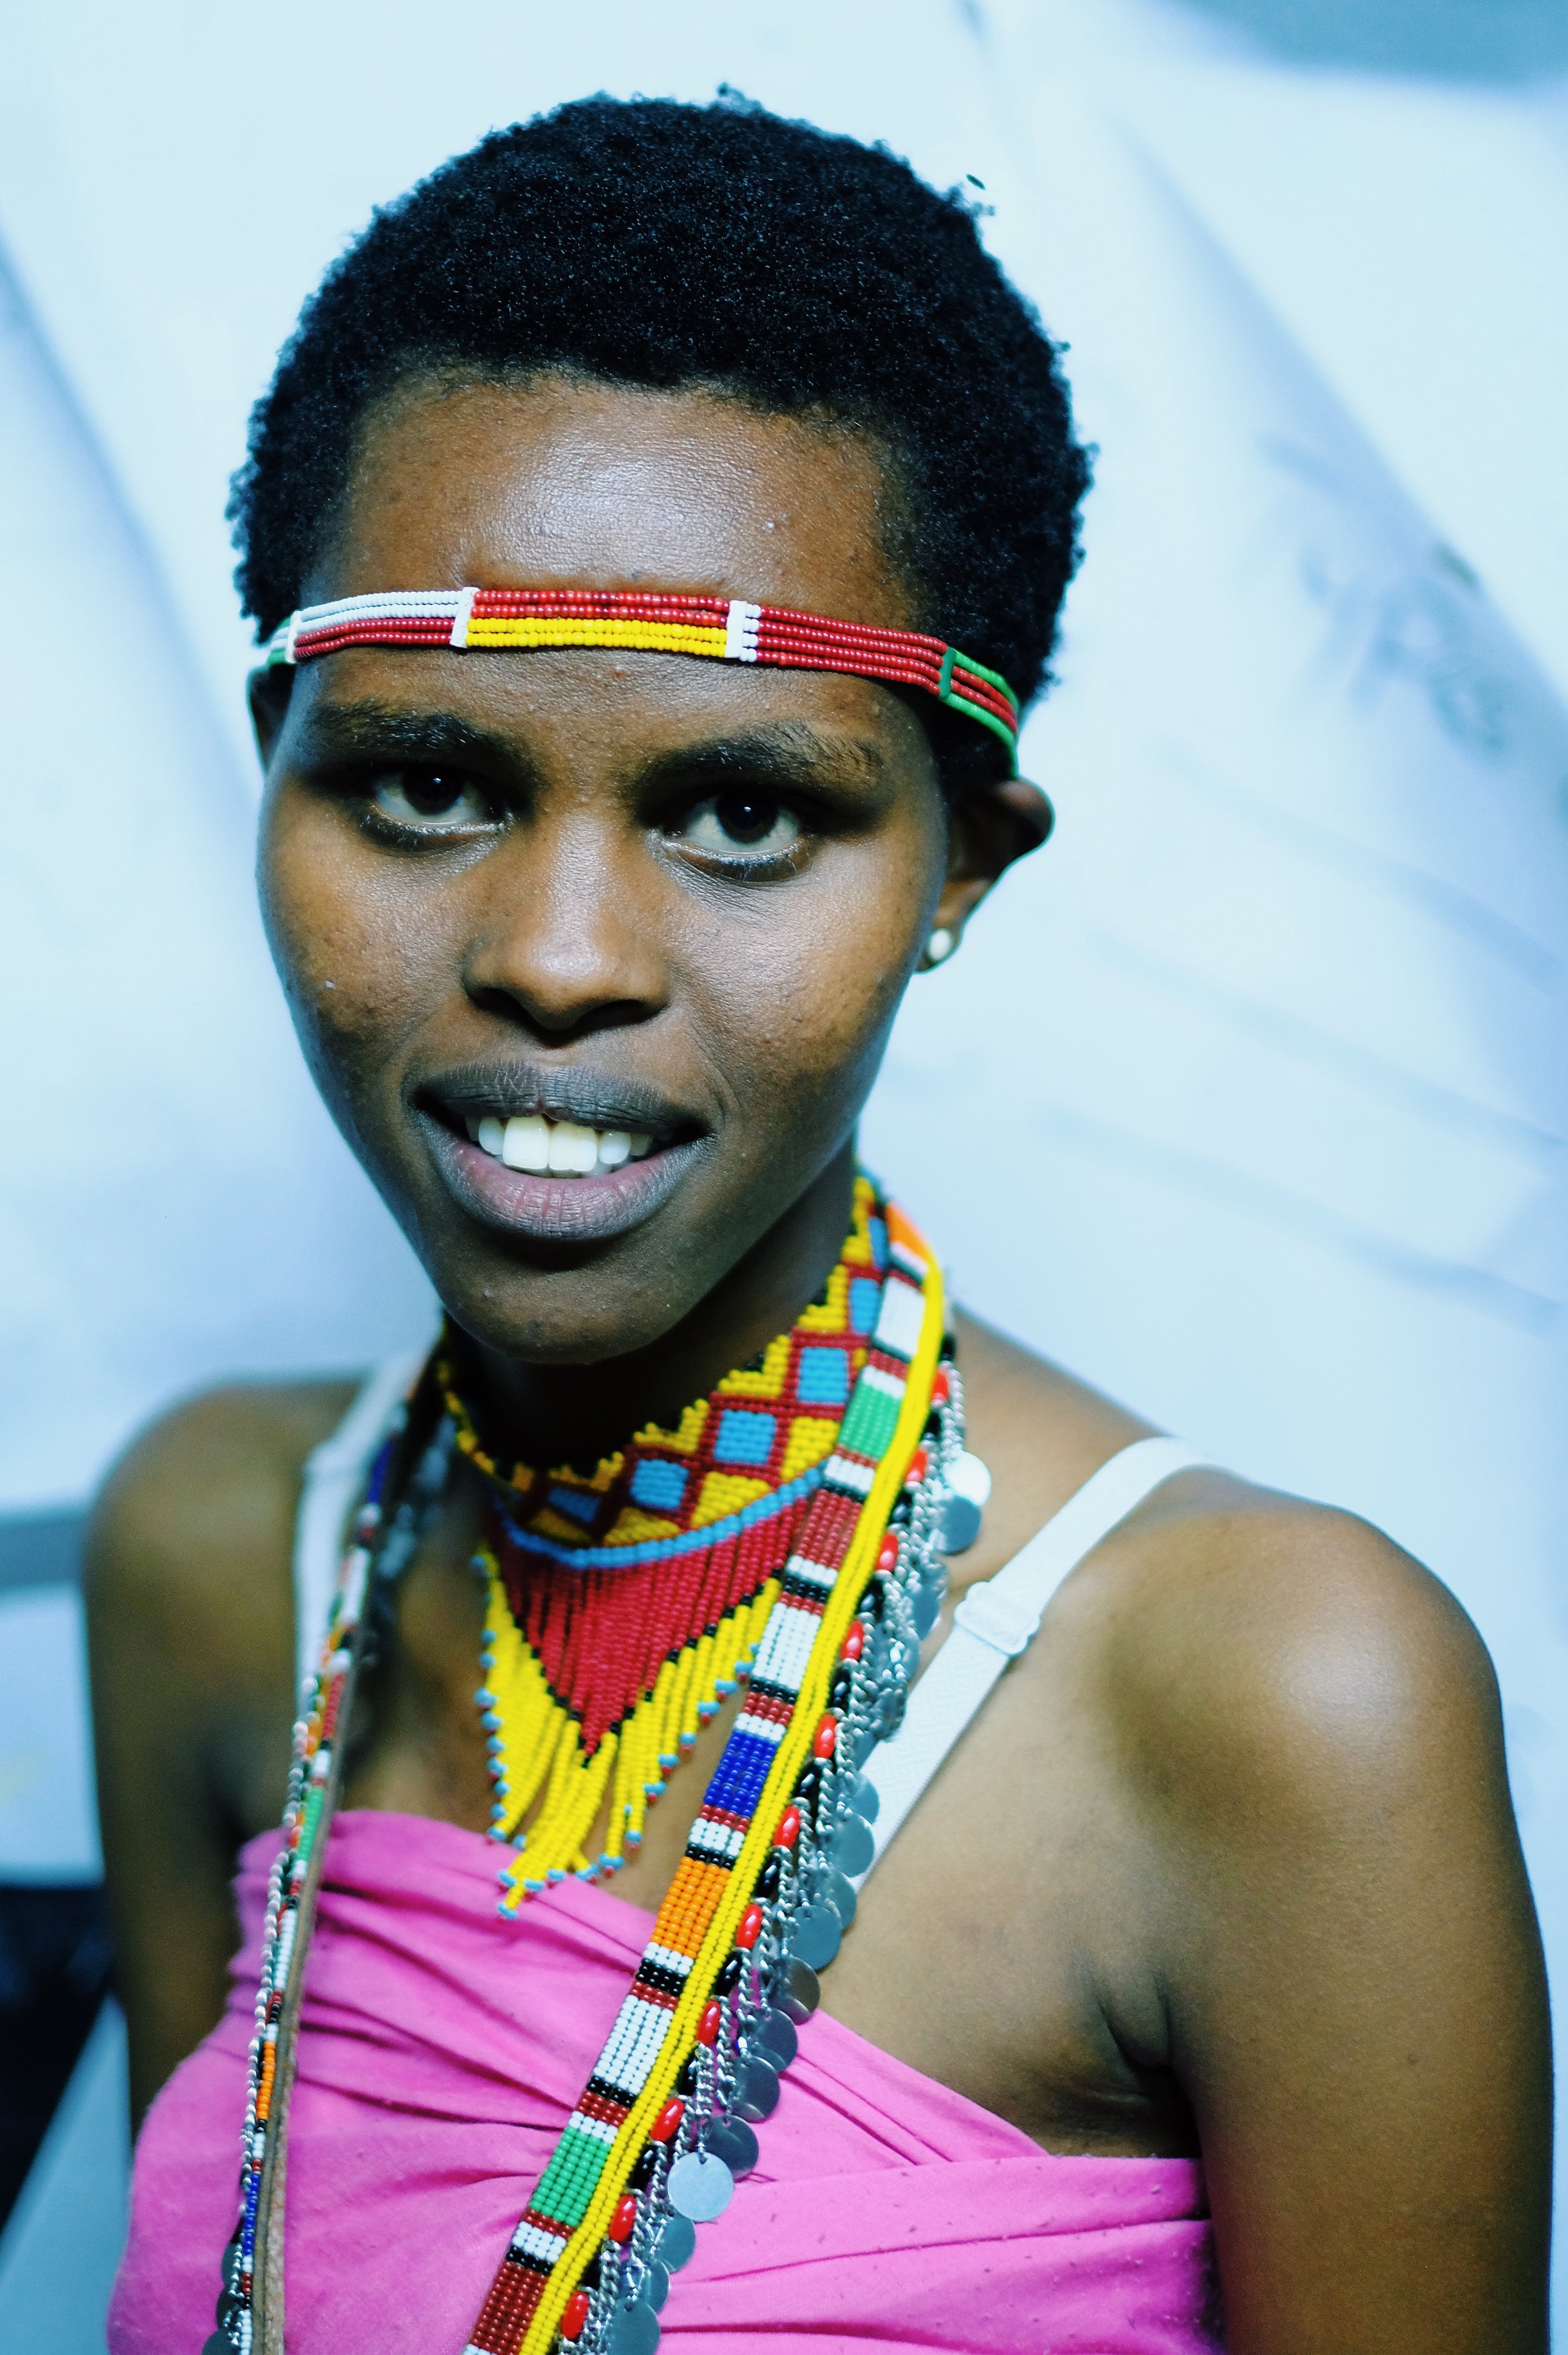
[[1263, 1656], [215, 1480], [190, 1624], [1330, 1938], [190, 1542], [1221, 1611], [1251, 1656]]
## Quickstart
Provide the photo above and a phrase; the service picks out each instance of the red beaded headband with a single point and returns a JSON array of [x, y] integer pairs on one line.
[[722, 628]]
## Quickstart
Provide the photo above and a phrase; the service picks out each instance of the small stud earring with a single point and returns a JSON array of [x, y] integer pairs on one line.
[[941, 945]]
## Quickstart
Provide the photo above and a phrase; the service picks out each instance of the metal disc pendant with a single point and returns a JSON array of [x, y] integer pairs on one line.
[[969, 1476], [853, 1845], [735, 2144], [656, 2284], [816, 1936], [927, 1610], [960, 1524], [775, 2040], [887, 1715], [678, 2242], [866, 1800], [841, 1897], [633, 2330], [801, 1994], [756, 2096], [700, 2186]]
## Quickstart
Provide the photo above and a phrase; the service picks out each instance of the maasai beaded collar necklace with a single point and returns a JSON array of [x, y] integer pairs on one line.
[[723, 629], [843, 1581], [596, 1683]]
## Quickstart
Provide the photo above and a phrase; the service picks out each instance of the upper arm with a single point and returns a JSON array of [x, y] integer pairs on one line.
[[1352, 1974], [189, 1610]]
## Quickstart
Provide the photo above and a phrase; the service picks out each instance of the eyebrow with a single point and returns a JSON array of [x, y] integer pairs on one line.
[[790, 751], [375, 732]]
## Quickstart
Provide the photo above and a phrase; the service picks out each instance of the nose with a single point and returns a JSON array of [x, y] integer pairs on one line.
[[568, 937]]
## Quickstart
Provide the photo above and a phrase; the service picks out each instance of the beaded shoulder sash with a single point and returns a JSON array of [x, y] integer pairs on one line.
[[821, 1616]]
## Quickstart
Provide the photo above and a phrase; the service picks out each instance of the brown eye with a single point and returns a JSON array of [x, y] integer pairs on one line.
[[740, 820], [430, 801]]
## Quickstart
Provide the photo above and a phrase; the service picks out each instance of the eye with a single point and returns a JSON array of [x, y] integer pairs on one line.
[[754, 824], [430, 801]]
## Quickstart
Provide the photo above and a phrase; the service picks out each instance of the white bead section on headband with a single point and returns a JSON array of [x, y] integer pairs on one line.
[[741, 631], [563, 1148]]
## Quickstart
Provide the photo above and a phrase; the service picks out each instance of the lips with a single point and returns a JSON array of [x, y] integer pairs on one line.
[[556, 1157]]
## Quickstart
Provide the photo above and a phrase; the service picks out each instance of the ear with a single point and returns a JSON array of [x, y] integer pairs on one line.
[[267, 693], [989, 828]]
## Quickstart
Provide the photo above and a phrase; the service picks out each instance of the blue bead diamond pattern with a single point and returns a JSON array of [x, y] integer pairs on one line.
[[865, 1299], [743, 1438], [823, 1377], [660, 1486], [571, 1501]]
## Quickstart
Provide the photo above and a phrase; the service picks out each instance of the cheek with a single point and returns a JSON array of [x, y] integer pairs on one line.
[[810, 998], [358, 968]]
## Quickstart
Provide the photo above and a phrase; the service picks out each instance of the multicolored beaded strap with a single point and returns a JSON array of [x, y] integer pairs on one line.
[[646, 2146], [251, 2306], [723, 629]]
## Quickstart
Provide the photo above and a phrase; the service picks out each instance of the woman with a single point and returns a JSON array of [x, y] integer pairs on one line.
[[1199, 1996]]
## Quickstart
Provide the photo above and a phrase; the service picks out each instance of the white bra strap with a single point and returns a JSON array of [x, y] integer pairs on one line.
[[997, 1619], [334, 1473]]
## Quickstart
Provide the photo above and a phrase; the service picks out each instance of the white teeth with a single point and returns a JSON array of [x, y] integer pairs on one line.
[[563, 1148], [574, 1150], [526, 1142]]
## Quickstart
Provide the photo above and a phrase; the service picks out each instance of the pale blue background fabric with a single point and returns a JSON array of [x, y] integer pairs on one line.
[[1268, 1047]]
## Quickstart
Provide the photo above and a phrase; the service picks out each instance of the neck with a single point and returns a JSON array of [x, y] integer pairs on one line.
[[577, 1415]]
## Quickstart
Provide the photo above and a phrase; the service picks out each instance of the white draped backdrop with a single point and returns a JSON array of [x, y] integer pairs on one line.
[[1246, 1099]]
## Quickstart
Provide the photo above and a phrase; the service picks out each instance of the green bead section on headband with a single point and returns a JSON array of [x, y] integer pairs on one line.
[[987, 719], [966, 666]]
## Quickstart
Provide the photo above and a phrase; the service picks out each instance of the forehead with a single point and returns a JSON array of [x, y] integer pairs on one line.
[[577, 483]]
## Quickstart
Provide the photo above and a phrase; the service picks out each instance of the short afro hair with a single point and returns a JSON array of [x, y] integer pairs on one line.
[[656, 244]]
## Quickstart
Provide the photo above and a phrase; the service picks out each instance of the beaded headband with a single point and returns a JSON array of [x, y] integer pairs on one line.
[[724, 629]]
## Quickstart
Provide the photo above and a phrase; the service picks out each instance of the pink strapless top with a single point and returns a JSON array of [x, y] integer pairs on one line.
[[442, 2052]]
